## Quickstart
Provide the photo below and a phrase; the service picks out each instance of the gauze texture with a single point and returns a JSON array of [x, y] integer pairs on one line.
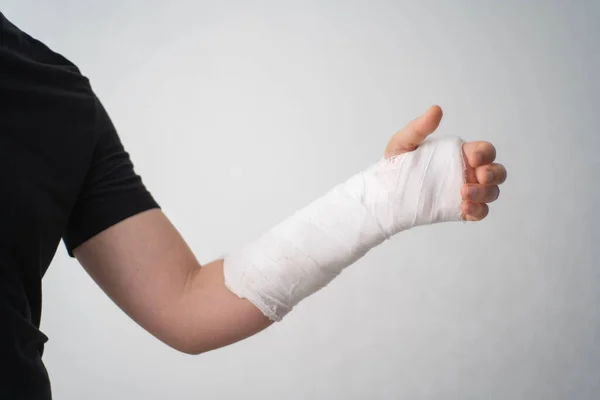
[[307, 250]]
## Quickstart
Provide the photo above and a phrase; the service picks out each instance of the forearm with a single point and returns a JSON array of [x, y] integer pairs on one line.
[[228, 300], [309, 249]]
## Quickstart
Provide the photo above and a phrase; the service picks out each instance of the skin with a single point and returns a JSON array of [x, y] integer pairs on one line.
[[145, 266]]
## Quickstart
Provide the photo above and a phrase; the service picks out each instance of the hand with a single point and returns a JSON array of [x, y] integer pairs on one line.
[[483, 174]]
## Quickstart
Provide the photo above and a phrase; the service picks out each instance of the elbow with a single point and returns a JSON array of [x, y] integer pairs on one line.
[[194, 350], [189, 347], [198, 344]]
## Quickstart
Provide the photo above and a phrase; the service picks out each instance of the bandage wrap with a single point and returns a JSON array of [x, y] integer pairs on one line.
[[309, 249]]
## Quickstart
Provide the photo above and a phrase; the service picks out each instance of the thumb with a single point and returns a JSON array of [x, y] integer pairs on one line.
[[411, 136]]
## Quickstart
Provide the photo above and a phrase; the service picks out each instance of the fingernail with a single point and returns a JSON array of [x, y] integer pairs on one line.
[[490, 176], [472, 192]]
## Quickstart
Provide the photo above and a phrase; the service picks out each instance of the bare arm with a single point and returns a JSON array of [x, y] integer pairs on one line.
[[148, 270], [144, 265]]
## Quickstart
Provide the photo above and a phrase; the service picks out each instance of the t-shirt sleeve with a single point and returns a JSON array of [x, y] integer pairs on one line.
[[111, 192]]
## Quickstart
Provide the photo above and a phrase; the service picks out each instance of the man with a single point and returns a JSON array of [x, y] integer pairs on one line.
[[66, 175]]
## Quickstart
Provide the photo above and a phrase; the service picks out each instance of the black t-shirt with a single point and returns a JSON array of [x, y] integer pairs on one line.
[[64, 174]]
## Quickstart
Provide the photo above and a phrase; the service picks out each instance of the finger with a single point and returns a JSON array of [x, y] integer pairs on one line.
[[479, 153], [474, 211], [470, 175], [493, 174], [480, 193], [415, 132]]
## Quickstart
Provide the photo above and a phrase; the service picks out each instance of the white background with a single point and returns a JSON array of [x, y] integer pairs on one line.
[[238, 113]]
